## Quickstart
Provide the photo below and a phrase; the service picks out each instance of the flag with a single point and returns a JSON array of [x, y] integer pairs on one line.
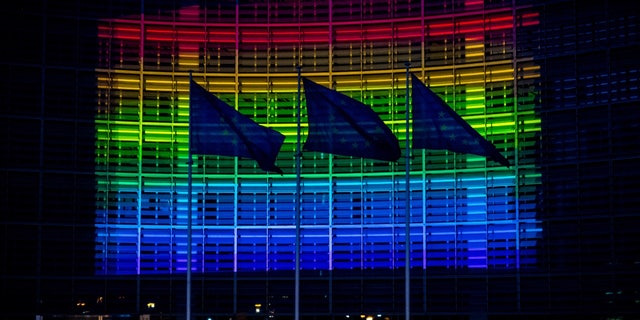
[[218, 129], [344, 126], [437, 126]]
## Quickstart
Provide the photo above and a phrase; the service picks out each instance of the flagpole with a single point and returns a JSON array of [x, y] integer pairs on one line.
[[189, 222], [298, 190], [407, 216]]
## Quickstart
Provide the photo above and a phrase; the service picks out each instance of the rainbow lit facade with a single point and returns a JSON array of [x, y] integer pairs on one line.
[[465, 211]]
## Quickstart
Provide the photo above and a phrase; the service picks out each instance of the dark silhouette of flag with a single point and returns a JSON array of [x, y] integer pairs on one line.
[[344, 126], [437, 126], [218, 129]]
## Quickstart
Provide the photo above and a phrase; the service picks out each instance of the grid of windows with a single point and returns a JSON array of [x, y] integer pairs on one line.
[[465, 210]]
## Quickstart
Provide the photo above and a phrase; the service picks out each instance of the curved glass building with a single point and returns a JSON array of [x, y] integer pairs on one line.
[[103, 196]]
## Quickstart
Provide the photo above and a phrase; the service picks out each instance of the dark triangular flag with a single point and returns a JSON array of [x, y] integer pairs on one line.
[[437, 126], [344, 126], [218, 129]]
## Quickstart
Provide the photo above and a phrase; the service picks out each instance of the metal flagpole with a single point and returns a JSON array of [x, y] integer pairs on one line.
[[189, 222], [407, 240], [298, 190]]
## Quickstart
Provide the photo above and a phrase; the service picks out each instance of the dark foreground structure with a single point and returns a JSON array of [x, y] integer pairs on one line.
[[95, 144]]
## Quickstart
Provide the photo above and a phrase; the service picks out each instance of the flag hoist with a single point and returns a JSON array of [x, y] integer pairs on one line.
[[215, 128], [339, 125]]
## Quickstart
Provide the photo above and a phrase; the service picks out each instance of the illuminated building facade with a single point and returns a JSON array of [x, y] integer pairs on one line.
[[101, 196]]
